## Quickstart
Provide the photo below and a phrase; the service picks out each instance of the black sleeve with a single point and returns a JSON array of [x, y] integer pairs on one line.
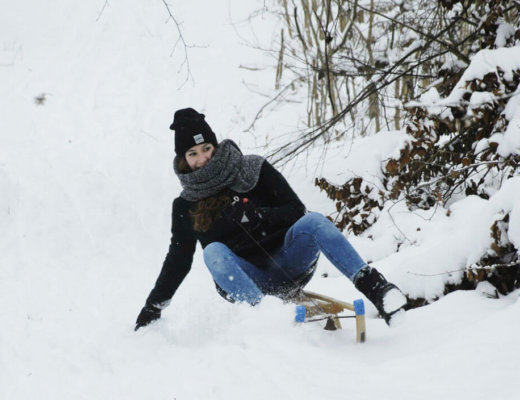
[[178, 260], [284, 206]]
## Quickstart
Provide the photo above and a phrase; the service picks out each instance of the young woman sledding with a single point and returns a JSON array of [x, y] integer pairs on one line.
[[257, 237]]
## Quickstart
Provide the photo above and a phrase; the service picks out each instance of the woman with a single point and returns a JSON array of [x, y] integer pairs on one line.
[[255, 232]]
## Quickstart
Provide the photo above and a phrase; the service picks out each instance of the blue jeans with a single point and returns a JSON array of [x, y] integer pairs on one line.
[[310, 235]]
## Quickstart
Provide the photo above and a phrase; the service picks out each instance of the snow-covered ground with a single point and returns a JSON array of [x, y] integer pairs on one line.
[[85, 198]]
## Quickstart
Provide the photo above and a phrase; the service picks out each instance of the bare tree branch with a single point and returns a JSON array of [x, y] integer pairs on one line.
[[101, 12], [452, 48], [272, 100], [186, 61]]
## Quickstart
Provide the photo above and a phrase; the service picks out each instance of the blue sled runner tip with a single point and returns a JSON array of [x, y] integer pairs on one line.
[[301, 311], [359, 307]]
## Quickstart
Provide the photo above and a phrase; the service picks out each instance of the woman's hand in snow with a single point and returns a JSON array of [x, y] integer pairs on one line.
[[148, 314]]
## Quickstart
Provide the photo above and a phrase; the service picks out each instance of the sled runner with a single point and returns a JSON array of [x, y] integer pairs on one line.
[[312, 306]]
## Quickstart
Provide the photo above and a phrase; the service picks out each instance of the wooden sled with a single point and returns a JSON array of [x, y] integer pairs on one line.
[[312, 306]]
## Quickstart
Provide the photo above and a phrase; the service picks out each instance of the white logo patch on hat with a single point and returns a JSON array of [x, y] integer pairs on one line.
[[198, 138]]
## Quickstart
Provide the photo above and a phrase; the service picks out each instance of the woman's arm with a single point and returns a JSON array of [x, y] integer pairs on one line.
[[178, 261]]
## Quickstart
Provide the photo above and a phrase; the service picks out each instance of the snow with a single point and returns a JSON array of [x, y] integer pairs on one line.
[[485, 61], [482, 63], [509, 142], [504, 32], [393, 300], [87, 184], [364, 157]]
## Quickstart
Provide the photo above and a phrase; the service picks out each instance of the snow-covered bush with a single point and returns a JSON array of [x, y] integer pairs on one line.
[[464, 141]]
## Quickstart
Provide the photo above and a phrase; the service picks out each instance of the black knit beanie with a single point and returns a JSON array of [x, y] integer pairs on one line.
[[190, 129]]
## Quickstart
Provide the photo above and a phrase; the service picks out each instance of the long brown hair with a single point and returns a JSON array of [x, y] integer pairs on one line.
[[208, 210]]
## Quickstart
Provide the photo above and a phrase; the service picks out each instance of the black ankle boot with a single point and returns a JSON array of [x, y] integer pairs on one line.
[[387, 297]]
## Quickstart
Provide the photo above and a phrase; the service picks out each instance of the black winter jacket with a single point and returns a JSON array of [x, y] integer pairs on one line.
[[280, 209]]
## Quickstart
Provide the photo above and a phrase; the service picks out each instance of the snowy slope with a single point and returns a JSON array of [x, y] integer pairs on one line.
[[86, 187]]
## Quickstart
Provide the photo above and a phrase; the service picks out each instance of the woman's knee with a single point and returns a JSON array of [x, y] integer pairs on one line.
[[215, 253], [313, 219], [315, 216]]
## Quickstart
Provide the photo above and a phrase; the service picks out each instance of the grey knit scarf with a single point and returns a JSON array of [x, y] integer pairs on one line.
[[228, 168]]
